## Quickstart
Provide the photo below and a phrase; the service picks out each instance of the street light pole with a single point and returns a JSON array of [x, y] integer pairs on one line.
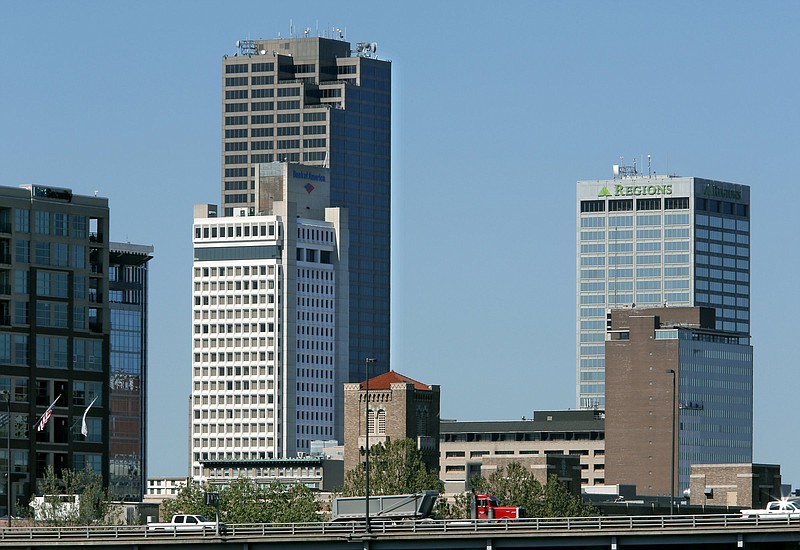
[[367, 362], [7, 396], [672, 467]]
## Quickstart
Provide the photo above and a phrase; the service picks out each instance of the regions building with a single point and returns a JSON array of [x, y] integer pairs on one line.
[[654, 241], [469, 448], [55, 326], [390, 407], [679, 393], [316, 101], [270, 318]]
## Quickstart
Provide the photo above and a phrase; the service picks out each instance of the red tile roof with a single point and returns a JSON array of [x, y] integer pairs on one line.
[[384, 381]]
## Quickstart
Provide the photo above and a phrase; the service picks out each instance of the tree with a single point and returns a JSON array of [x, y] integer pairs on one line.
[[77, 498], [245, 501], [514, 485], [395, 468], [189, 500]]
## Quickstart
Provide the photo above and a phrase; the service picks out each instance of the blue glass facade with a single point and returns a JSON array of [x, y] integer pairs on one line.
[[715, 404], [309, 100], [127, 296]]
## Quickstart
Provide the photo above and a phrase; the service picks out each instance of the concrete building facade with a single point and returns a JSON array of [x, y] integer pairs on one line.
[[399, 408], [54, 335], [674, 381], [270, 320], [316, 101], [655, 240], [468, 448]]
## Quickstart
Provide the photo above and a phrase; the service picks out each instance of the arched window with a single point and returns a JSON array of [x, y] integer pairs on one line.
[[382, 421]]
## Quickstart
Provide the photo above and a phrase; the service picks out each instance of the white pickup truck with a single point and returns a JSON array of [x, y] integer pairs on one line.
[[777, 509], [187, 523]]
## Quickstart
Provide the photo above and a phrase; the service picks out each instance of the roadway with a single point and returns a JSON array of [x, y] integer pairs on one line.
[[607, 532]]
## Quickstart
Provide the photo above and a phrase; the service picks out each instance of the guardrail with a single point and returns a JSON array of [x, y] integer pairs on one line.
[[466, 527]]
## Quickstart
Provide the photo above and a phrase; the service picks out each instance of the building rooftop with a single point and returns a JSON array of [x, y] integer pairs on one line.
[[385, 381], [543, 421]]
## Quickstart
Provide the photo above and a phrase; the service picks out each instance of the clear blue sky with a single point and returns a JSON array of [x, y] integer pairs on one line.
[[499, 107]]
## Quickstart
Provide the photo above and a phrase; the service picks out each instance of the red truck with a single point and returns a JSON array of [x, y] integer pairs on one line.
[[486, 506]]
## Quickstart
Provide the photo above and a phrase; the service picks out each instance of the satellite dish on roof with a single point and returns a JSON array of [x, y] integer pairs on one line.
[[263, 52], [373, 47], [238, 43]]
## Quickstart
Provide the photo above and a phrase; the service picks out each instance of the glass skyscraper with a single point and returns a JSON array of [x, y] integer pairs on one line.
[[316, 101], [127, 297], [657, 241]]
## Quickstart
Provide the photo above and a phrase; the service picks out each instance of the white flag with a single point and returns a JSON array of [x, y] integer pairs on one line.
[[84, 427]]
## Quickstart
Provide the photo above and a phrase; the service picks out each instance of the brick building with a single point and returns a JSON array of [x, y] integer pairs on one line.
[[399, 408], [747, 485], [674, 383]]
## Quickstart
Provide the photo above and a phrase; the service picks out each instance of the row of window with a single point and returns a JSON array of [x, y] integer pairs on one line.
[[56, 224], [234, 231], [623, 205], [51, 253], [641, 219]]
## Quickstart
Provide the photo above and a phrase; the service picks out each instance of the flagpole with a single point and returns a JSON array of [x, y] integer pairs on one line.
[[48, 410]]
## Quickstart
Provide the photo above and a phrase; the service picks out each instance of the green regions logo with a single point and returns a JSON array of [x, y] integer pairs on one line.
[[720, 192], [636, 190]]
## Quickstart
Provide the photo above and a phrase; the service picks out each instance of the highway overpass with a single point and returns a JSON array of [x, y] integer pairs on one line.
[[606, 532]]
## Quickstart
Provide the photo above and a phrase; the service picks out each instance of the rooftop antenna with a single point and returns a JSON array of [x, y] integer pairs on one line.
[[649, 171], [308, 30]]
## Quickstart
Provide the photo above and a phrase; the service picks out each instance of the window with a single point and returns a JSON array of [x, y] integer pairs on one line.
[[42, 223], [676, 203], [236, 81], [262, 67], [22, 251], [237, 68], [79, 226], [22, 220], [620, 205], [648, 204]]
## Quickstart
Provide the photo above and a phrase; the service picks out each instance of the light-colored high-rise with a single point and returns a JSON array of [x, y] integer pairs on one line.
[[317, 101], [656, 241], [270, 320]]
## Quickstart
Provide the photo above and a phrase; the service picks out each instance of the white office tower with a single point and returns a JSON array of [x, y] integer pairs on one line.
[[657, 241], [269, 327]]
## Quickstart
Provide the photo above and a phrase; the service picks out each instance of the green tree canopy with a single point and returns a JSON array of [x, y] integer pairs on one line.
[[93, 505], [514, 485], [245, 501], [395, 468]]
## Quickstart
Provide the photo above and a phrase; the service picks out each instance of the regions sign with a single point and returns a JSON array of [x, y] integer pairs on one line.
[[636, 190], [722, 193]]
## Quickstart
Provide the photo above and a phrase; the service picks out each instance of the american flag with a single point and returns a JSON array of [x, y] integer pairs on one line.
[[46, 416]]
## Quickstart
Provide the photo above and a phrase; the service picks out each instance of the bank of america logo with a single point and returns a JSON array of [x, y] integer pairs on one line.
[[604, 192], [308, 187]]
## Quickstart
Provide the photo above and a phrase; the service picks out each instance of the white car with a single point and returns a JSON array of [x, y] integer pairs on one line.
[[778, 509]]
